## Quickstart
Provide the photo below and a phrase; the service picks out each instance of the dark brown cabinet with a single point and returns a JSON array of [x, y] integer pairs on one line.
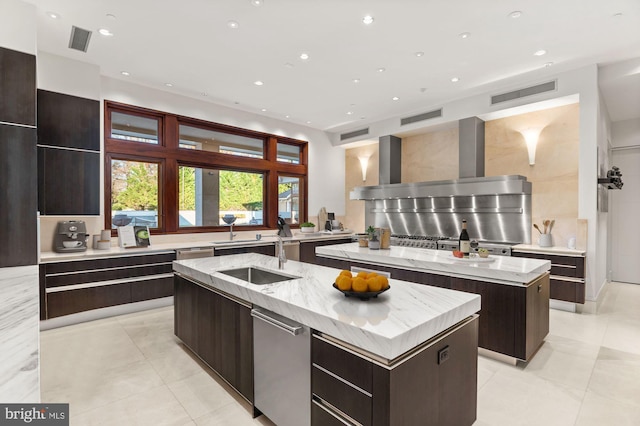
[[67, 121], [18, 220], [308, 249], [434, 385], [68, 154], [269, 250], [219, 329], [17, 87], [82, 285], [567, 275], [514, 319]]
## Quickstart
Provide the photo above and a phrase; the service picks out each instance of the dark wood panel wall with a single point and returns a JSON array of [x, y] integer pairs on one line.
[[18, 200]]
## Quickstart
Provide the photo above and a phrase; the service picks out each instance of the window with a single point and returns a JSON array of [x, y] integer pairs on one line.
[[289, 199], [134, 128], [225, 143], [178, 174], [134, 193], [207, 195]]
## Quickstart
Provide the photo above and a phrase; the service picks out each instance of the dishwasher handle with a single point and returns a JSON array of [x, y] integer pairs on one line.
[[281, 323]]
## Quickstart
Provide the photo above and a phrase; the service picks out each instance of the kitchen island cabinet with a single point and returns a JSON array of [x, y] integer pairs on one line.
[[514, 319], [411, 353]]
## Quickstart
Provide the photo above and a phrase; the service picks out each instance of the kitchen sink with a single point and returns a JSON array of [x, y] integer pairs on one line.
[[257, 276], [234, 241]]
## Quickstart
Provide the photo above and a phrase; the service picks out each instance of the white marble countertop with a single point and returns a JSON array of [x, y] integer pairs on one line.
[[503, 269], [195, 242], [559, 250], [398, 320]]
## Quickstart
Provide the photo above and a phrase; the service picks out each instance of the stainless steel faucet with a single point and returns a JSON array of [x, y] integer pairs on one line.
[[231, 234], [282, 259]]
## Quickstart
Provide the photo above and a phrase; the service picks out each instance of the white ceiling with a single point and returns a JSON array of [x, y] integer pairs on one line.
[[189, 44]]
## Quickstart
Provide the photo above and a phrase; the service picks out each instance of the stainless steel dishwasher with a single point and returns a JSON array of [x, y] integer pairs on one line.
[[282, 368]]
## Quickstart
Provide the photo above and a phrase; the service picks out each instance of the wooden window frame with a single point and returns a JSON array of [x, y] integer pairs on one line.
[[168, 152]]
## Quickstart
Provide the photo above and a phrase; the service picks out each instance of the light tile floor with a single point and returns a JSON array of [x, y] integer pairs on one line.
[[132, 370]]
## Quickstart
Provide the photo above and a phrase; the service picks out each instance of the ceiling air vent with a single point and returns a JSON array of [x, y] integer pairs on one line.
[[521, 93], [79, 39], [353, 134], [421, 117]]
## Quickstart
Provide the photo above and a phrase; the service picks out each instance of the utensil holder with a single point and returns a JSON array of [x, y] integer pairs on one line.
[[545, 240]]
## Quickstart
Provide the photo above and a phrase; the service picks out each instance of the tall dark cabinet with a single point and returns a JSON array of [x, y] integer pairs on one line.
[[68, 154], [18, 167]]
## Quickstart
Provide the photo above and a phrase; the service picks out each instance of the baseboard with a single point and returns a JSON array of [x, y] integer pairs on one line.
[[561, 305], [591, 306], [101, 313]]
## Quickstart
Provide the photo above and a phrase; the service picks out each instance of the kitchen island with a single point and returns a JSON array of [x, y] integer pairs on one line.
[[514, 319], [408, 356]]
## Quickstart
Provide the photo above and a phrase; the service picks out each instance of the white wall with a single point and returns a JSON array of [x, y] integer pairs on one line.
[[18, 26]]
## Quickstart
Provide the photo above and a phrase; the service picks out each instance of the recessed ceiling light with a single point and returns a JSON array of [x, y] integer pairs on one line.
[[125, 73], [423, 89], [515, 14], [204, 94], [287, 116], [53, 15], [540, 52], [395, 98], [168, 84], [368, 20], [419, 54], [233, 25], [356, 80], [381, 70], [258, 83], [464, 35], [288, 65], [362, 118], [308, 122], [263, 110], [349, 112], [615, 15], [105, 32], [304, 56], [110, 16], [257, 3], [548, 64], [455, 80]]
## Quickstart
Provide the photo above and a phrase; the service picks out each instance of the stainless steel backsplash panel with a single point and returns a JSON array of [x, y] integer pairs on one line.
[[501, 214]]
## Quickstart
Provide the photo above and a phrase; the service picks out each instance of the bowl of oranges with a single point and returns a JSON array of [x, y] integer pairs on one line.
[[364, 285]]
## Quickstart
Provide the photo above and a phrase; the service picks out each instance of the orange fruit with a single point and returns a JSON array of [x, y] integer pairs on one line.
[[359, 284], [384, 282], [346, 273], [362, 274], [372, 274], [343, 282], [374, 283]]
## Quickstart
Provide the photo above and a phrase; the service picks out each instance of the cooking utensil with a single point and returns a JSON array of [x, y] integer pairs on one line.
[[551, 225], [537, 227], [546, 224]]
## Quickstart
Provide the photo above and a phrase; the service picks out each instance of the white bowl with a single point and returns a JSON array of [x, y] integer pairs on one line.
[[307, 229]]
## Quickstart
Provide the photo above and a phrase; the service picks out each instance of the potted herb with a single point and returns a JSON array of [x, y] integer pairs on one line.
[[307, 227], [374, 243]]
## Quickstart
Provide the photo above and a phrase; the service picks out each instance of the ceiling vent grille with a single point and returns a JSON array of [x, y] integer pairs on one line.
[[355, 133], [79, 39], [421, 117], [521, 93]]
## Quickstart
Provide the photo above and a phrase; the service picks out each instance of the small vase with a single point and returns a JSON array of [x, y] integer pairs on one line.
[[374, 245], [545, 240]]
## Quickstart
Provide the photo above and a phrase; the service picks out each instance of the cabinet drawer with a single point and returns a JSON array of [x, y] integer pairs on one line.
[[85, 299], [346, 365], [322, 416], [346, 398], [107, 275], [151, 289], [112, 262]]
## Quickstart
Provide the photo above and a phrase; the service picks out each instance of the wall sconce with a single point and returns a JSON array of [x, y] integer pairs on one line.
[[364, 162], [531, 137]]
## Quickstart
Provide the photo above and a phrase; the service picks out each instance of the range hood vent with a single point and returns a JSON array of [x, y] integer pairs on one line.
[[421, 117], [355, 133], [79, 39], [527, 91]]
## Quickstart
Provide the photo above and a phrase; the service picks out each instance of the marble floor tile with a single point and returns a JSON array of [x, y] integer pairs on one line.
[[232, 414], [598, 411], [623, 334], [201, 394], [583, 327], [487, 367], [176, 364], [616, 375], [157, 407]]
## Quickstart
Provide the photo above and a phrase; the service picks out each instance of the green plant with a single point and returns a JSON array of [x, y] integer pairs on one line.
[[307, 225], [371, 231]]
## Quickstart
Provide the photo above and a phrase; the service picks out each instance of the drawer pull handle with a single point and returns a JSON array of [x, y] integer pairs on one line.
[[539, 288]]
